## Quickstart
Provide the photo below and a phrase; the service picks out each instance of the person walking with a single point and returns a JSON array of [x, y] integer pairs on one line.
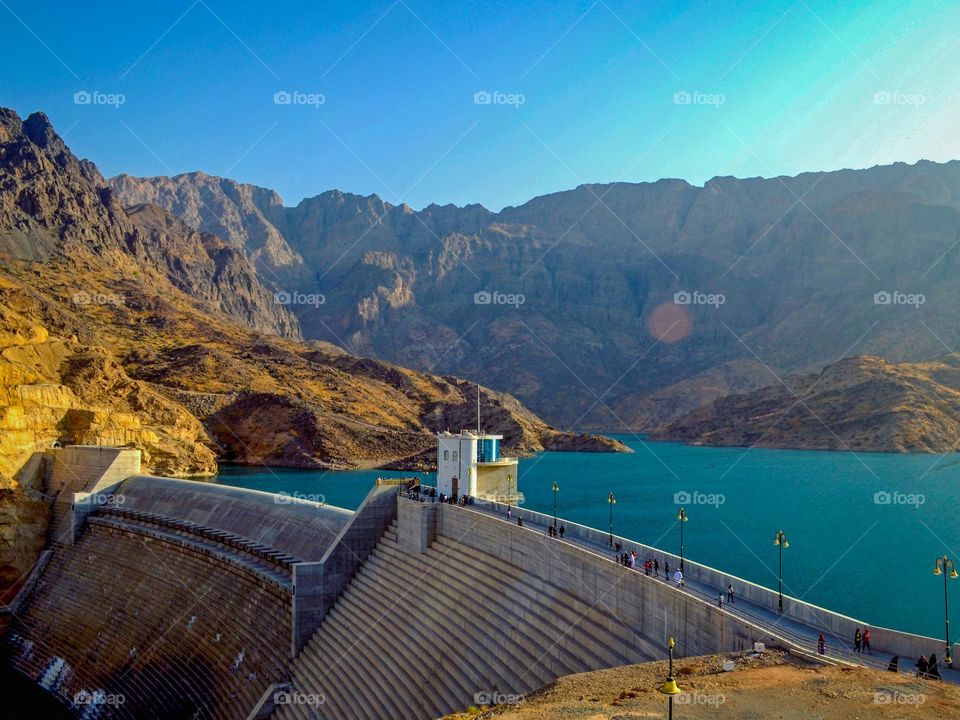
[[730, 593], [821, 645], [666, 570], [509, 514], [866, 641], [562, 531], [921, 667], [678, 578], [656, 568], [720, 601], [857, 639]]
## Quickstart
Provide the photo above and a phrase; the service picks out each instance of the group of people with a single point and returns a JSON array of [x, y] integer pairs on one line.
[[553, 531], [729, 596], [928, 667], [455, 499], [861, 641]]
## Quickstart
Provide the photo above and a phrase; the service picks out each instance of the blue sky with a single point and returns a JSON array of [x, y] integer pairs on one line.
[[585, 91]]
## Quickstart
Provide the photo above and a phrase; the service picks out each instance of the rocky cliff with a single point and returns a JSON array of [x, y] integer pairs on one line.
[[125, 326], [622, 304], [55, 207], [860, 403]]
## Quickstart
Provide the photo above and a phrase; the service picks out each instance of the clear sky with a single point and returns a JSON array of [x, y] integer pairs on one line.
[[583, 91]]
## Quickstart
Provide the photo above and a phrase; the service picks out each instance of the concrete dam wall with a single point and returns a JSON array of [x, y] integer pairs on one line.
[[455, 605], [190, 600]]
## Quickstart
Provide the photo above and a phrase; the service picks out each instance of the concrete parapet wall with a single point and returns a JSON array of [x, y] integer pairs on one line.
[[80, 477], [893, 642], [416, 525], [86, 468], [317, 587], [649, 610], [308, 608]]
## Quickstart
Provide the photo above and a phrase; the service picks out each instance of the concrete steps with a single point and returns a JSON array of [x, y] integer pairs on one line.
[[173, 630], [442, 626]]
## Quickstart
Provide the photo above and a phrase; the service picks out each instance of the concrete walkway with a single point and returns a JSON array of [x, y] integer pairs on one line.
[[798, 633]]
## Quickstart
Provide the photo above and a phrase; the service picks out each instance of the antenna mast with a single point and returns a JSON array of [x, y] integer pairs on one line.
[[478, 408]]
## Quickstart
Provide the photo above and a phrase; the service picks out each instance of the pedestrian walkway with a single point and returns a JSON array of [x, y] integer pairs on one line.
[[793, 632]]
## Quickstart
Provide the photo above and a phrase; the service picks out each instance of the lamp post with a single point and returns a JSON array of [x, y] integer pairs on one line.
[[780, 540], [669, 688], [682, 517], [941, 567], [511, 499], [611, 500], [555, 489]]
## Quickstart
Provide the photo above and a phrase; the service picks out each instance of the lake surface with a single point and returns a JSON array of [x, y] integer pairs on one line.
[[864, 529]]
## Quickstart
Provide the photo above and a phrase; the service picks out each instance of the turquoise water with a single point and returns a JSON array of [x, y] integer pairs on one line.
[[847, 552]]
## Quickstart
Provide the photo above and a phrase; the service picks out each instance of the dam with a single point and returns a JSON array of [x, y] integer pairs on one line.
[[166, 598]]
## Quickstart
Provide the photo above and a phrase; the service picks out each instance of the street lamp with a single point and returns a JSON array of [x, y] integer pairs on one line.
[[510, 496], [670, 688], [682, 517], [781, 541], [611, 500], [555, 489], [940, 567]]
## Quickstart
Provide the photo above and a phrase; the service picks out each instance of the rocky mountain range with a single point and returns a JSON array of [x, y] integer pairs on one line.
[[860, 403], [611, 306], [123, 325]]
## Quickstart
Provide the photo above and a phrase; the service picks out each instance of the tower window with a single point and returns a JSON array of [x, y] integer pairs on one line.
[[446, 454], [454, 455]]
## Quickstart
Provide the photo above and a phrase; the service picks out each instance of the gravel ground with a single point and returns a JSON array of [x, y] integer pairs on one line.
[[773, 685]]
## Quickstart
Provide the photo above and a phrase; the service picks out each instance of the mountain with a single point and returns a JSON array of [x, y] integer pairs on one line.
[[55, 207], [860, 403], [125, 326], [618, 305]]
